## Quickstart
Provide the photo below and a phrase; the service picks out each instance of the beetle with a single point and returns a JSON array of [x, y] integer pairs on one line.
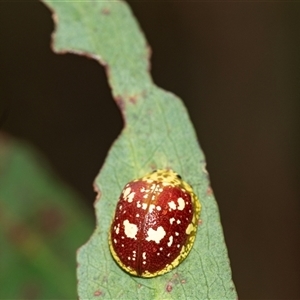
[[155, 224]]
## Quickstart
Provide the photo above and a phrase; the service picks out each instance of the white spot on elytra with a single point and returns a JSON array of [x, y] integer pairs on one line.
[[155, 235], [158, 207], [115, 241], [118, 229], [181, 204], [178, 222], [144, 255], [172, 220], [130, 229], [161, 248], [142, 190], [128, 257], [137, 215], [138, 204], [172, 205], [146, 196], [144, 205], [130, 197], [120, 207], [126, 192], [151, 207], [189, 229], [144, 262], [178, 246], [176, 233], [170, 241]]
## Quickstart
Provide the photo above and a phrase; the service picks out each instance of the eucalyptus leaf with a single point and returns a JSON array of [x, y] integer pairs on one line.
[[157, 134], [42, 225]]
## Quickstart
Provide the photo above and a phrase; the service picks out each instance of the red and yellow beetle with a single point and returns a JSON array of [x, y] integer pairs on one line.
[[155, 224]]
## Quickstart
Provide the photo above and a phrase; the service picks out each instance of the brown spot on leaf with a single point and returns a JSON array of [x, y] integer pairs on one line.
[[105, 11], [175, 279], [148, 56], [209, 191], [133, 99], [169, 287], [120, 102], [199, 222], [97, 190], [153, 167], [98, 293]]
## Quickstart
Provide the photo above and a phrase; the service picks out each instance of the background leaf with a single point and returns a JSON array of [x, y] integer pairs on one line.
[[157, 134], [42, 224]]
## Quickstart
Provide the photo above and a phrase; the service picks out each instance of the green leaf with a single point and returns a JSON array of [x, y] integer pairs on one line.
[[157, 134], [42, 225]]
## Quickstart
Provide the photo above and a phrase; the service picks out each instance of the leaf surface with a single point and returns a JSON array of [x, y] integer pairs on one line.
[[157, 134]]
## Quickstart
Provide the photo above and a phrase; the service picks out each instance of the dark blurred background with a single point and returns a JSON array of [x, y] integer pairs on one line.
[[237, 68]]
